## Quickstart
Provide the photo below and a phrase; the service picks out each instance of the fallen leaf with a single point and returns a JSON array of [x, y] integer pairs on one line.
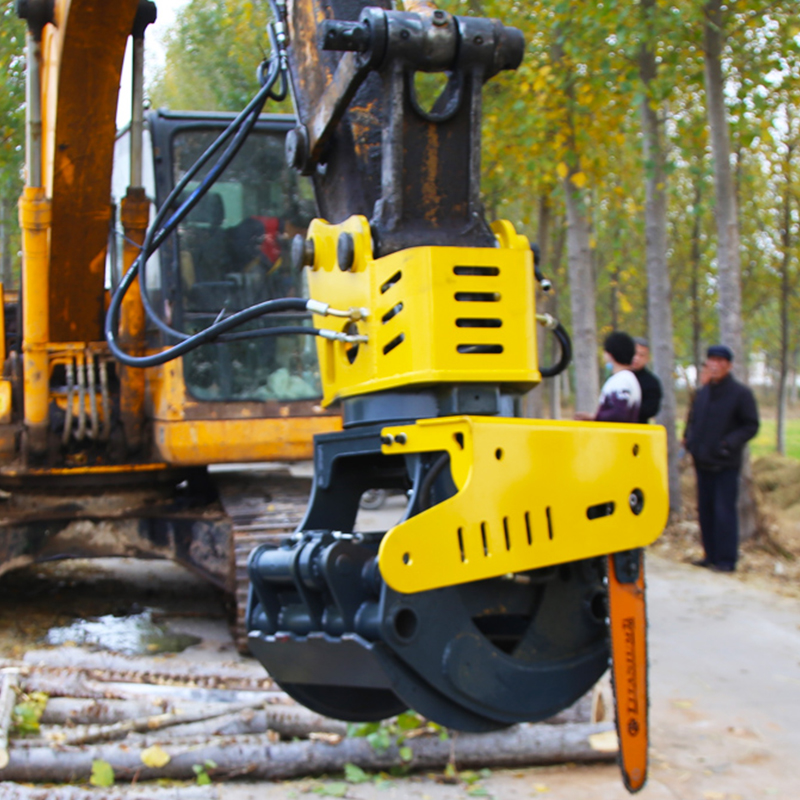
[[332, 790], [540, 787], [102, 773], [155, 757], [682, 703], [354, 774]]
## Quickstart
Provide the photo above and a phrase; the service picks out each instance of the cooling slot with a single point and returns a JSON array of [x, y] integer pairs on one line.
[[391, 282], [392, 312], [389, 346], [479, 322], [479, 348], [478, 297], [486, 271]]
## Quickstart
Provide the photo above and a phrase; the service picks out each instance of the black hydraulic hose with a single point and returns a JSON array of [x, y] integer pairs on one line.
[[429, 479], [240, 128], [560, 332]]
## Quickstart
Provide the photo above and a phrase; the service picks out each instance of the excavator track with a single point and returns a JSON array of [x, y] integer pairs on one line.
[[264, 508]]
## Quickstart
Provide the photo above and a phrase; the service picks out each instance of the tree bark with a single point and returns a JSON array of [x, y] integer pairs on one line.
[[728, 257], [694, 258], [582, 300], [659, 300], [729, 281], [786, 243], [256, 757]]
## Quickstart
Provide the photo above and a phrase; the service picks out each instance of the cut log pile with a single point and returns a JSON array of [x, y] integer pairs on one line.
[[117, 709]]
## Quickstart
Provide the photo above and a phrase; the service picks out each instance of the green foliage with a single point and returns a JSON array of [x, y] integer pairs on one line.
[[12, 132], [335, 789], [27, 713], [213, 51], [201, 771]]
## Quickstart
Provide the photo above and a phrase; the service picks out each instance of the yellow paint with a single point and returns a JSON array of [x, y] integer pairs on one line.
[[422, 286], [34, 220], [5, 402], [209, 441], [509, 473]]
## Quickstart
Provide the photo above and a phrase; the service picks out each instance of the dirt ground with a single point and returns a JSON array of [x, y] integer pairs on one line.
[[771, 559]]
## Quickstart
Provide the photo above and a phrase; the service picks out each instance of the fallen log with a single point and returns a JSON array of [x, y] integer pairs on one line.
[[256, 757], [13, 791], [102, 663], [8, 699]]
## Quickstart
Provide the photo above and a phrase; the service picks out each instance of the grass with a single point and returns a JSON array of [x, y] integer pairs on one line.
[[764, 443]]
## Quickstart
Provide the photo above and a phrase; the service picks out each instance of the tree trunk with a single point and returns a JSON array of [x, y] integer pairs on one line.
[[728, 258], [786, 242], [694, 256], [659, 308], [582, 300], [729, 287], [5, 244]]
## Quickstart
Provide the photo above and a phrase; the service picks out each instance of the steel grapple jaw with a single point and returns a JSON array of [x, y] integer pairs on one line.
[[482, 607]]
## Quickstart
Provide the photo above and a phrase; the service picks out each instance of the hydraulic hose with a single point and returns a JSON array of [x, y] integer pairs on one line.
[[239, 129], [560, 332]]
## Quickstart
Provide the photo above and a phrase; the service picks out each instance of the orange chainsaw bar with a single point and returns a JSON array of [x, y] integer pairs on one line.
[[628, 625]]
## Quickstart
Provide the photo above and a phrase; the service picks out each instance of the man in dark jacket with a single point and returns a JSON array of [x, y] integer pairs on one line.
[[649, 383], [724, 418]]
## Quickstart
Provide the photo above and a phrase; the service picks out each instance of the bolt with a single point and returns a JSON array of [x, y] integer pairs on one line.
[[302, 252], [404, 34], [388, 439], [400, 438], [345, 251], [439, 18], [478, 40], [297, 148]]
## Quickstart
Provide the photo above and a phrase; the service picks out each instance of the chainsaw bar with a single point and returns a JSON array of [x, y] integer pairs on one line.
[[628, 634]]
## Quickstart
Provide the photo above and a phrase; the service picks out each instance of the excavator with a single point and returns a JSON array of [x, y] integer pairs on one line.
[[100, 460], [516, 575]]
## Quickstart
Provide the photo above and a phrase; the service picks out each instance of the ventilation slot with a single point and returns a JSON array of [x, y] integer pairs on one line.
[[389, 346], [391, 282], [461, 544], [486, 271], [600, 510], [479, 348], [392, 312], [549, 523], [505, 531], [528, 527], [478, 322], [483, 539], [477, 297]]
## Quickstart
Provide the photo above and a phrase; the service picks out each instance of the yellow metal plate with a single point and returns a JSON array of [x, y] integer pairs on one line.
[[531, 493]]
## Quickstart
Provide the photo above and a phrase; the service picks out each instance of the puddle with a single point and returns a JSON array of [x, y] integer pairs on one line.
[[133, 634]]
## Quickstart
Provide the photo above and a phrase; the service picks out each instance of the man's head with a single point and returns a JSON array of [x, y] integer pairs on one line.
[[642, 355], [619, 349], [719, 361]]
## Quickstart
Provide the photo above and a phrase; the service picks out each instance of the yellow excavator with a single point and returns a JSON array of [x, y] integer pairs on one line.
[[97, 459], [517, 570]]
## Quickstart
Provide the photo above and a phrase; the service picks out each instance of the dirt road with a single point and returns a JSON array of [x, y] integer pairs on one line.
[[725, 688]]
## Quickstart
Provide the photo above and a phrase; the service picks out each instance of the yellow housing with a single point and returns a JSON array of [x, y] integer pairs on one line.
[[436, 314]]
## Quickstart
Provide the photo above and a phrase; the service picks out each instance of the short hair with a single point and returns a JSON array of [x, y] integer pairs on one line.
[[620, 347], [641, 341]]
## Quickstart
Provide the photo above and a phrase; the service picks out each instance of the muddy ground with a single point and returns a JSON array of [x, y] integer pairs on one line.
[[724, 680]]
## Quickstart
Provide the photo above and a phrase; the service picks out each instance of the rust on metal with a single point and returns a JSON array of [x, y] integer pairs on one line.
[[93, 39]]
